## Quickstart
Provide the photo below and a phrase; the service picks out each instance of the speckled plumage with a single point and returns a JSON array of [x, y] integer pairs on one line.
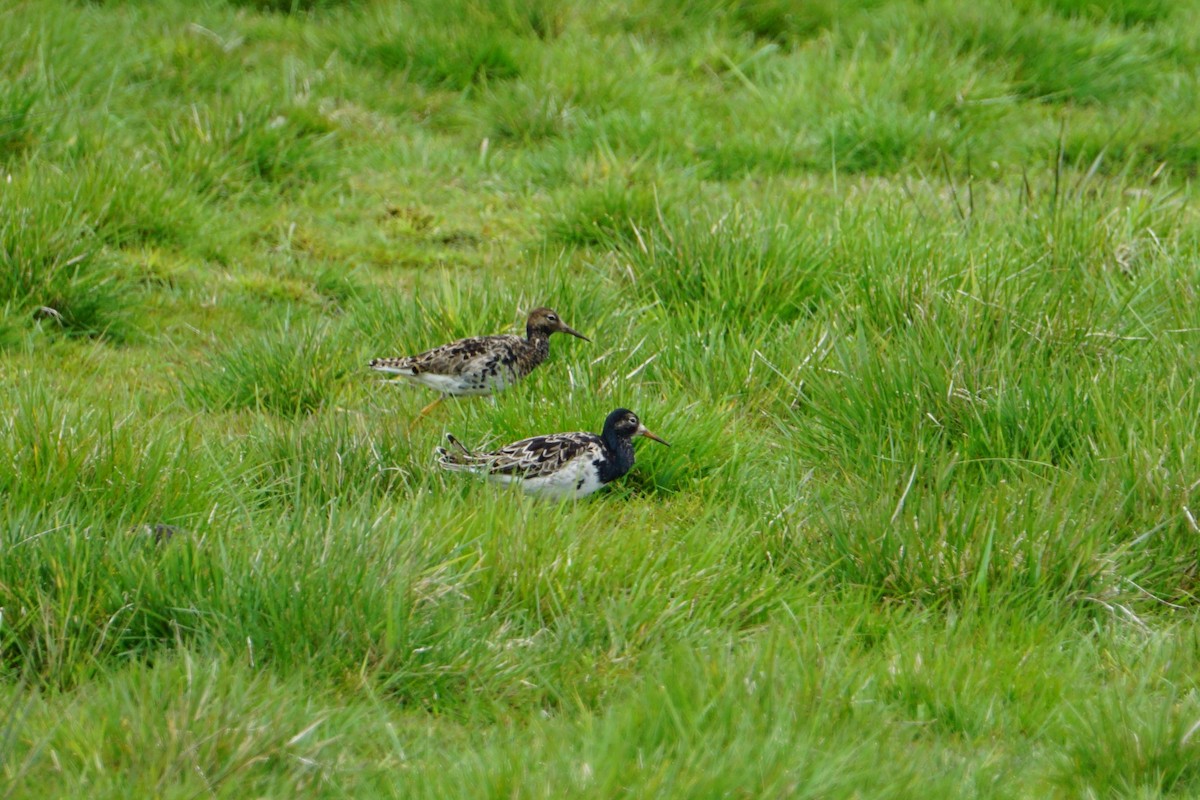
[[560, 465], [481, 365]]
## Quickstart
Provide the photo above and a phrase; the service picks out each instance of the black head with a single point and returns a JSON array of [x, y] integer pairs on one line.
[[546, 321], [624, 424]]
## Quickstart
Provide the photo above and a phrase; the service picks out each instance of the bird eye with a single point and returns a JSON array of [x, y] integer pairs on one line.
[[552, 318]]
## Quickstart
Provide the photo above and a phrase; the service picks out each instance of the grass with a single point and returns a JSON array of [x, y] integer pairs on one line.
[[910, 288]]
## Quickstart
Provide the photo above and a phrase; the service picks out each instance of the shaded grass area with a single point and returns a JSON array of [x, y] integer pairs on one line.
[[909, 287]]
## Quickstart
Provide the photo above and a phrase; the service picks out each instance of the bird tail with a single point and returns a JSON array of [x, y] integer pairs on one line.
[[393, 366], [457, 456]]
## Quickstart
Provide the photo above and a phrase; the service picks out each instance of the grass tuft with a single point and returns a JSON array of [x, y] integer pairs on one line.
[[444, 62], [785, 22], [292, 370], [323, 462], [1134, 747], [743, 267], [1128, 13], [609, 212], [519, 113], [55, 262], [220, 151], [18, 121], [111, 469], [1056, 60], [293, 6]]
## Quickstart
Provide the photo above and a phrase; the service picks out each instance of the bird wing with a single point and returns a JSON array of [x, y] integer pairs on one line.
[[529, 458], [454, 358]]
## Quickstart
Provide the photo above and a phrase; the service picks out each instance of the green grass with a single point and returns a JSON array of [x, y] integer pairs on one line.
[[910, 288]]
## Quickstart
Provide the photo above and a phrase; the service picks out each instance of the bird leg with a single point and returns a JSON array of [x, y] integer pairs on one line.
[[425, 411]]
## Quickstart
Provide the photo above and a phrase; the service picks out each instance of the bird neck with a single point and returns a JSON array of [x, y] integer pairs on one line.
[[620, 456], [538, 342]]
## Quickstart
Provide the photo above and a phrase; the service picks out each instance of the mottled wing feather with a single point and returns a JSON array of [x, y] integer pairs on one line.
[[542, 455], [462, 356], [534, 457]]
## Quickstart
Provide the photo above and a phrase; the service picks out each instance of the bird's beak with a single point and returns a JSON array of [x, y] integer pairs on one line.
[[565, 328], [644, 431]]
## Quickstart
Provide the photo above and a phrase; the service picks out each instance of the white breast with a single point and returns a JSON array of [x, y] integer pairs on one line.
[[447, 384], [458, 385]]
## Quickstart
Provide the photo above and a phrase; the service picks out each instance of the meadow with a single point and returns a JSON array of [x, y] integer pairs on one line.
[[909, 285]]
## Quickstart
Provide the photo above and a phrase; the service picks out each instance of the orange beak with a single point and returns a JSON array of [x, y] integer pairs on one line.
[[644, 431]]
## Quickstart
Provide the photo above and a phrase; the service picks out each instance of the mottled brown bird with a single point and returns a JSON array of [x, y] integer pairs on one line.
[[480, 365]]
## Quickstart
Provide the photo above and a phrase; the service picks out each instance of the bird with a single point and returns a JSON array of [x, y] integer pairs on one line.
[[559, 465], [159, 531], [480, 365]]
